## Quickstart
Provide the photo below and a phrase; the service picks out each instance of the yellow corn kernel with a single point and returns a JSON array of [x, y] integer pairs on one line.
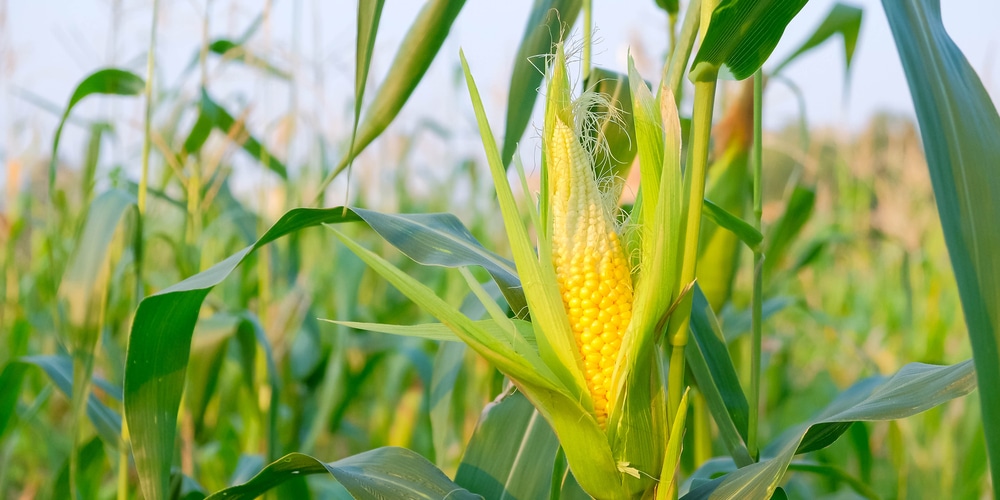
[[591, 265]]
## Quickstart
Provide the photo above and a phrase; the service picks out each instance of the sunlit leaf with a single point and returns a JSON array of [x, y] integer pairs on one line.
[[741, 36]]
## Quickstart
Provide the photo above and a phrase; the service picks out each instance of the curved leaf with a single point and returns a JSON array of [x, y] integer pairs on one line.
[[213, 116], [160, 340], [110, 81], [387, 472], [442, 240], [511, 452], [844, 20], [741, 35], [414, 57], [160, 344], [60, 370], [961, 136], [917, 387]]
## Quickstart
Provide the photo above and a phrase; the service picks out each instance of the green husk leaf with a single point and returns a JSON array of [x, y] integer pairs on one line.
[[441, 332], [556, 345]]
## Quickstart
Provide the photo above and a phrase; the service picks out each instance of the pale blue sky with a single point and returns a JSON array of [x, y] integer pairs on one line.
[[47, 46]]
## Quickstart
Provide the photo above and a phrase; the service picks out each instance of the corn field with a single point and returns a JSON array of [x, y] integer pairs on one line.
[[615, 283]]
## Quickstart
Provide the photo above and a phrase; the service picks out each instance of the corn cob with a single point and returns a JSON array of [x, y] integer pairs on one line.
[[591, 266]]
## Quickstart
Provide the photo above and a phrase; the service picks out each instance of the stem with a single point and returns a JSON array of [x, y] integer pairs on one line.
[[148, 93], [123, 463], [694, 181], [587, 35], [757, 300]]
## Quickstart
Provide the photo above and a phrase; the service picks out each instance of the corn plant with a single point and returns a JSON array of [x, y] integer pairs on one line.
[[620, 352]]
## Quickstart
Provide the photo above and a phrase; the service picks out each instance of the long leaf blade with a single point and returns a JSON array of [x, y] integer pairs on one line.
[[960, 128], [387, 472]]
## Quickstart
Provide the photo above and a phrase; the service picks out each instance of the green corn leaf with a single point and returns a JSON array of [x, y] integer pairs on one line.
[[667, 487], [160, 341], [213, 116], [442, 240], [511, 451], [110, 81], [503, 351], [741, 228], [961, 136], [11, 379], [441, 332], [90, 472], [387, 472], [86, 283], [82, 284], [447, 404], [548, 24], [716, 376], [798, 211], [209, 345], [728, 186], [160, 344], [418, 49], [671, 6], [843, 20], [741, 36], [917, 387], [369, 14], [60, 370], [237, 51]]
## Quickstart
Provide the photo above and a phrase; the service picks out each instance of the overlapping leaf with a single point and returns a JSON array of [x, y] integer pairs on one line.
[[377, 474], [915, 388]]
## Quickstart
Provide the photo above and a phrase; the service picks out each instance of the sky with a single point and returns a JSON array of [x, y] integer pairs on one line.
[[48, 46]]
